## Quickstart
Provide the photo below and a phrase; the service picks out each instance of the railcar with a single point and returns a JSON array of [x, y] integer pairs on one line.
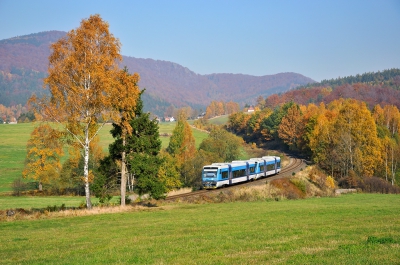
[[267, 165], [219, 175]]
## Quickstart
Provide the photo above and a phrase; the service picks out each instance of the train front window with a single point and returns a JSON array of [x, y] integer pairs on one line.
[[208, 174]]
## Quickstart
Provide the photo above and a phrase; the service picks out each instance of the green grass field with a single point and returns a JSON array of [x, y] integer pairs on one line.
[[220, 120], [13, 139], [41, 202], [350, 229]]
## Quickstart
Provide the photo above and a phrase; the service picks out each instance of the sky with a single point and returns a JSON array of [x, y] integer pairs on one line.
[[320, 39]]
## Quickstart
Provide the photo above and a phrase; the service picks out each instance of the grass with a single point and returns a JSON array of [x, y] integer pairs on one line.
[[13, 139], [166, 128], [30, 202], [351, 229], [220, 120]]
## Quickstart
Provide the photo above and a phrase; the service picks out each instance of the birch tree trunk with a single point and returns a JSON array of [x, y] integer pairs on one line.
[[123, 171], [86, 169]]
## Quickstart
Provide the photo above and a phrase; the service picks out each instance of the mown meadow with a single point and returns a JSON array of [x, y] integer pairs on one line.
[[349, 229]]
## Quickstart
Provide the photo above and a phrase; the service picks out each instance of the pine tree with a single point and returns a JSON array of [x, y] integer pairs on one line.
[[142, 147]]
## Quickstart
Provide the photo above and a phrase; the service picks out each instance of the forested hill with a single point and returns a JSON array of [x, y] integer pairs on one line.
[[24, 62], [389, 78], [373, 88]]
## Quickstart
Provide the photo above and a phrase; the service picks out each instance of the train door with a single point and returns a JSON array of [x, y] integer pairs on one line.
[[230, 174], [247, 171], [265, 168]]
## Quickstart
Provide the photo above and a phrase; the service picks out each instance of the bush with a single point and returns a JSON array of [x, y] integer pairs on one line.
[[18, 187], [300, 184], [330, 183], [378, 185]]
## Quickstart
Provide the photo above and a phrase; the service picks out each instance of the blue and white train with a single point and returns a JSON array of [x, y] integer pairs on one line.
[[219, 175]]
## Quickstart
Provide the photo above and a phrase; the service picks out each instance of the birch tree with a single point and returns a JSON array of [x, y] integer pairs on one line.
[[44, 150], [83, 82]]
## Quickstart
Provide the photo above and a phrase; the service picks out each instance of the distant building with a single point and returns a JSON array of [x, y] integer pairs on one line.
[[250, 109], [13, 121], [169, 119]]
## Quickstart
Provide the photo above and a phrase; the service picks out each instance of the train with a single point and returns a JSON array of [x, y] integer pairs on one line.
[[219, 175]]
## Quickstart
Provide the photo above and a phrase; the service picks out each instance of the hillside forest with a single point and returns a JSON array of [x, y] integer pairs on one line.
[[350, 130]]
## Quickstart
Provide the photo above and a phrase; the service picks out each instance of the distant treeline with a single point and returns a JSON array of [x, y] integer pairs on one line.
[[389, 77], [372, 88]]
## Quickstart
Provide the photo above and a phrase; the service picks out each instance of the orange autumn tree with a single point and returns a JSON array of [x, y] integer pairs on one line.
[[127, 96], [84, 85], [291, 127], [44, 150], [182, 147]]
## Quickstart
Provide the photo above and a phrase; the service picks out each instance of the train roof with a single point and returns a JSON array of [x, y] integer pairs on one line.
[[271, 157], [242, 161], [238, 162]]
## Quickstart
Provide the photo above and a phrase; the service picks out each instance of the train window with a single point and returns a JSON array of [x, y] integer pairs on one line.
[[261, 168], [252, 169], [270, 167], [239, 173], [224, 174]]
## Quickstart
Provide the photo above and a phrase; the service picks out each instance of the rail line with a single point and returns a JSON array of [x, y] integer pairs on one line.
[[295, 164]]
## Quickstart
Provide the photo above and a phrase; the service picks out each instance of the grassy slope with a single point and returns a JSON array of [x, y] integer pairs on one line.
[[220, 120], [312, 231], [13, 139]]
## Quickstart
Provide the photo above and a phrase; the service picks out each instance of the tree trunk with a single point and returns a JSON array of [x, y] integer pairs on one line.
[[86, 170], [123, 171]]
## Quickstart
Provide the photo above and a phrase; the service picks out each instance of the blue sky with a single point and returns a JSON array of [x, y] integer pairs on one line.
[[320, 39]]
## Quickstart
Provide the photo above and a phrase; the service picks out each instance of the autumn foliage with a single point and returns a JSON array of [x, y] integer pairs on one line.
[[44, 150], [345, 137], [86, 85]]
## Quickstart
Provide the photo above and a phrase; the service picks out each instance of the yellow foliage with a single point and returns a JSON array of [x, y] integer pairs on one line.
[[44, 150], [329, 182]]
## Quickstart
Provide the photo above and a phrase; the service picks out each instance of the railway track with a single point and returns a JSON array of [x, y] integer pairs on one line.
[[295, 164]]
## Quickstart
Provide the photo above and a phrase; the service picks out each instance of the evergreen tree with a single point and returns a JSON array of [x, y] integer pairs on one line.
[[271, 124], [142, 148]]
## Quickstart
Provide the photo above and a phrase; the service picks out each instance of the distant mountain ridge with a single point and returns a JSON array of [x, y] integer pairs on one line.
[[24, 62], [373, 88]]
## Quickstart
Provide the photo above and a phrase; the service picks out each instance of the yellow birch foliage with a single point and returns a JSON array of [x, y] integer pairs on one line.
[[85, 84], [356, 138], [291, 127], [44, 150], [168, 172], [330, 182]]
